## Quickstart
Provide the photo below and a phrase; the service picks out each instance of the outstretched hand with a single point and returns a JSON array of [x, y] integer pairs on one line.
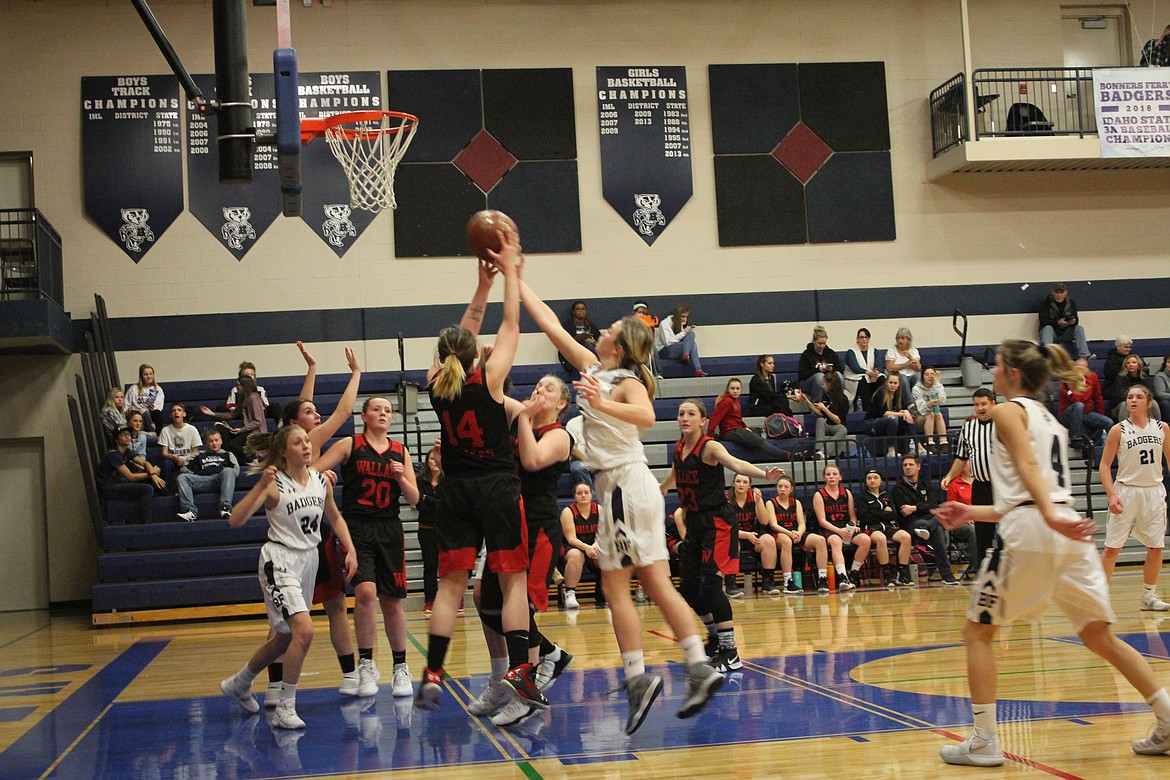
[[771, 474], [310, 361], [588, 387], [952, 514], [487, 274], [509, 257], [352, 360]]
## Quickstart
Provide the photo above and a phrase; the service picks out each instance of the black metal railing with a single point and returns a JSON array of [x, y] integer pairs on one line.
[[30, 257], [1035, 101], [948, 114]]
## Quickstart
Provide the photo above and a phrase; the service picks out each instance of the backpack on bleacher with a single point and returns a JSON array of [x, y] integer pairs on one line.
[[782, 426]]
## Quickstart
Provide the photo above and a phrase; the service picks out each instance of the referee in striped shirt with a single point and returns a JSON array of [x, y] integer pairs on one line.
[[975, 445]]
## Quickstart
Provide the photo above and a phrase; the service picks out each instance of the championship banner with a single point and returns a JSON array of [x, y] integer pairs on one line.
[[325, 196], [132, 166], [1133, 111], [645, 144], [236, 214]]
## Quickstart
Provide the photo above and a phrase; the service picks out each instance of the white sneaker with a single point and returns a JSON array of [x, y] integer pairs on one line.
[[1156, 744], [973, 751], [512, 713], [234, 688], [285, 716], [1151, 603], [922, 533], [495, 695], [350, 684], [402, 684], [190, 515], [571, 600], [271, 695], [368, 676]]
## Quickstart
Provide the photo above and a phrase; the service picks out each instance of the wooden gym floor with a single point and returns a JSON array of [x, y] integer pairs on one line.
[[869, 685]]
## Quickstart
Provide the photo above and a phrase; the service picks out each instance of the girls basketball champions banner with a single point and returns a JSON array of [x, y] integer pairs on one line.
[[645, 144]]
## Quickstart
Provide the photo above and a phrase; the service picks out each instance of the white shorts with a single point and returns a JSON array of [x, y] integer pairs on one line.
[[1144, 515], [1018, 584], [631, 529], [287, 577]]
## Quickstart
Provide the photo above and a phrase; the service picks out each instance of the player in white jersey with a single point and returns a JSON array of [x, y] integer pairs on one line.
[[296, 499], [1137, 498], [614, 396], [1043, 551]]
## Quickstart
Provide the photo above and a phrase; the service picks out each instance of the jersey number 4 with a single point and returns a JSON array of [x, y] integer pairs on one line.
[[466, 430]]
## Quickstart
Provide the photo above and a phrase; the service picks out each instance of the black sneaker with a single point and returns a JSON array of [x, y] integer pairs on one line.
[[522, 679], [727, 660], [641, 691], [702, 683], [904, 579], [844, 583], [711, 647], [822, 584], [792, 589], [734, 592], [769, 588]]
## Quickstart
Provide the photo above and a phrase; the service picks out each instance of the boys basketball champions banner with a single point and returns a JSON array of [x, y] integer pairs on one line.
[[131, 145], [1133, 111], [236, 214], [325, 198], [645, 144]]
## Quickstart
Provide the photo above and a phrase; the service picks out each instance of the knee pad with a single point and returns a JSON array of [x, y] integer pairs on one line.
[[714, 599], [494, 621]]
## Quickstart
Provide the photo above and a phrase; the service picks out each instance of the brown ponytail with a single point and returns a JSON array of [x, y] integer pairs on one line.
[[1037, 362]]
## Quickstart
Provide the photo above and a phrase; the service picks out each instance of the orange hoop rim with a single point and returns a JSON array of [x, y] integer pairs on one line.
[[316, 127]]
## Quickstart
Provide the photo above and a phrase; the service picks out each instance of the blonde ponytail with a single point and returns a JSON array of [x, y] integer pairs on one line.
[[448, 382]]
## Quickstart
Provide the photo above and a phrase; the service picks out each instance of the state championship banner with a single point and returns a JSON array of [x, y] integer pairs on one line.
[[1133, 111], [236, 214], [645, 144], [325, 198], [131, 157]]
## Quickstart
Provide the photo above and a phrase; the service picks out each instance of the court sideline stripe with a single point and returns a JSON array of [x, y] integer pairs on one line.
[[877, 709], [34, 753], [22, 637]]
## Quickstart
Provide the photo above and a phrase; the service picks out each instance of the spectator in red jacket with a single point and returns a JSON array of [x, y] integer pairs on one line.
[[1083, 413], [727, 419]]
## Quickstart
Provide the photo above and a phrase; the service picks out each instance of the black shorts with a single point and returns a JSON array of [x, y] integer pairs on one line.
[[886, 528], [381, 556], [712, 545], [477, 510]]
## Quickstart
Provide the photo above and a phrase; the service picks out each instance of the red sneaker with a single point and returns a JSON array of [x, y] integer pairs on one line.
[[522, 679], [428, 692]]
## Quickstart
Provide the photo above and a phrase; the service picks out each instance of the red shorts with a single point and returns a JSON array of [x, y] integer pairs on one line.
[[330, 571]]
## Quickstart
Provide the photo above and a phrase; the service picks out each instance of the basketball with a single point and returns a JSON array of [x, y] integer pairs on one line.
[[482, 232]]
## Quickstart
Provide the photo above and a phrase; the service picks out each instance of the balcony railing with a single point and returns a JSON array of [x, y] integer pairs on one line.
[[30, 257]]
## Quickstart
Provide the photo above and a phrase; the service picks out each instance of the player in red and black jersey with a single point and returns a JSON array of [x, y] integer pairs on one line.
[[542, 455], [833, 505], [786, 519], [710, 541], [376, 472], [480, 502], [579, 528], [747, 505]]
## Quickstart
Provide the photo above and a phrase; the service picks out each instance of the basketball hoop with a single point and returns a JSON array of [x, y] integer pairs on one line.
[[369, 146]]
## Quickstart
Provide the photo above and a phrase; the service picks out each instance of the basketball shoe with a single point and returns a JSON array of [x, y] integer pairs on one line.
[[973, 751]]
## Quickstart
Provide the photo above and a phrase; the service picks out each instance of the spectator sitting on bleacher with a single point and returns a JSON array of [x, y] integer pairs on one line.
[[583, 332], [928, 397], [887, 418], [675, 339], [575, 427], [831, 412], [139, 439], [1060, 323], [247, 369], [727, 419], [121, 477], [817, 360], [875, 513], [914, 498], [905, 360], [250, 411], [1082, 412], [961, 488], [113, 414], [212, 471], [179, 440], [642, 312], [765, 398], [579, 550], [1161, 380], [1122, 346], [1134, 371], [147, 397], [863, 374]]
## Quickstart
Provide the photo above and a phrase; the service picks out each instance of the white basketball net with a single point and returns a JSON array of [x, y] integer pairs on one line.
[[369, 152]]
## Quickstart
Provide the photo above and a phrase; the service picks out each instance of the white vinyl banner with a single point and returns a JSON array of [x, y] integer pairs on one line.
[[1133, 111]]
